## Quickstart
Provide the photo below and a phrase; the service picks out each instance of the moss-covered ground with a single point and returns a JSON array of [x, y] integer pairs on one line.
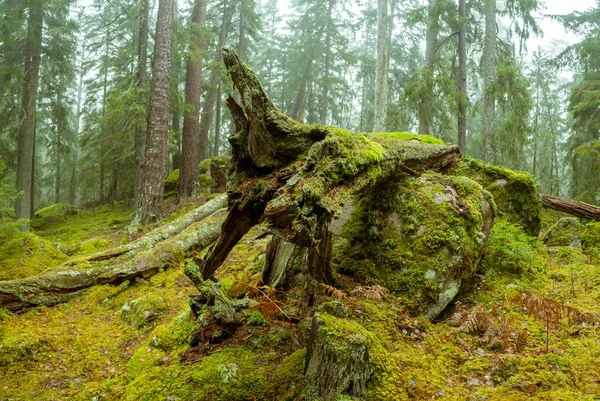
[[132, 342]]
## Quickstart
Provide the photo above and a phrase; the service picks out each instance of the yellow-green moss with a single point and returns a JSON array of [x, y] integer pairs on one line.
[[410, 238], [408, 136], [565, 232], [590, 240], [172, 184], [144, 310], [514, 192], [57, 210], [24, 254]]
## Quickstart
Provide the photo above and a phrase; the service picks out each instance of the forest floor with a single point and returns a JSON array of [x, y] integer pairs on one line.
[[132, 342]]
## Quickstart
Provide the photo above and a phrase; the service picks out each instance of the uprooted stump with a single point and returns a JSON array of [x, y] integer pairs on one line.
[[337, 358], [296, 176]]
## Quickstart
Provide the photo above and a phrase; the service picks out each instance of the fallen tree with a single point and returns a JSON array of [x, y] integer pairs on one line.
[[159, 234], [296, 176], [61, 284], [572, 207]]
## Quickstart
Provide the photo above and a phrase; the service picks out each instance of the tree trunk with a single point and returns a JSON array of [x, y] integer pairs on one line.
[[190, 155], [299, 200], [218, 122], [76, 131], [489, 74], [462, 78], [433, 28], [381, 91], [153, 176], [26, 146], [57, 171], [297, 110], [213, 80], [140, 131], [325, 100], [176, 107], [572, 207], [61, 284]]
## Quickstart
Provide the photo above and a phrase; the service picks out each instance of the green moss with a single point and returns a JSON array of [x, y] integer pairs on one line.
[[56, 211], [174, 335], [565, 232], [287, 378], [172, 184], [16, 349], [255, 318], [140, 312], [509, 249], [590, 240], [408, 136], [204, 167], [25, 254], [515, 193], [231, 374], [417, 240]]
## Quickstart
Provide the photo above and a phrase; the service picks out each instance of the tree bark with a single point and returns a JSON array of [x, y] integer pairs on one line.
[[489, 74], [190, 156], [26, 145], [295, 196], [462, 78], [381, 91], [325, 100], [213, 80], [218, 122], [159, 234], [76, 131], [426, 106], [62, 284], [572, 207], [140, 131], [153, 176]]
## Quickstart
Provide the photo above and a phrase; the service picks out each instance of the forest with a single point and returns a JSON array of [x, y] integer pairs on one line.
[[320, 200]]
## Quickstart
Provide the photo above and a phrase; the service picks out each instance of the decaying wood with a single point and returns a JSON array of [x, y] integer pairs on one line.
[[295, 176], [160, 233], [61, 284], [572, 207]]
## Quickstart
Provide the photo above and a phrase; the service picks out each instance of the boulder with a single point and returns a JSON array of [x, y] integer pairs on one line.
[[565, 232], [590, 239], [422, 238], [515, 193]]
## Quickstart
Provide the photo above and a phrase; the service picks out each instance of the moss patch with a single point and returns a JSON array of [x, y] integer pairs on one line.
[[419, 238], [515, 193]]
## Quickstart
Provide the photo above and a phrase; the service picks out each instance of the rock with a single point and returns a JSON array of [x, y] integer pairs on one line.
[[566, 232], [56, 211], [590, 239], [337, 359], [212, 177], [144, 310], [515, 193], [421, 238], [172, 184]]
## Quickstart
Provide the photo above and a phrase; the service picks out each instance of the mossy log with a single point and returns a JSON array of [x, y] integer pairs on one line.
[[572, 207], [61, 284], [296, 176], [159, 234]]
